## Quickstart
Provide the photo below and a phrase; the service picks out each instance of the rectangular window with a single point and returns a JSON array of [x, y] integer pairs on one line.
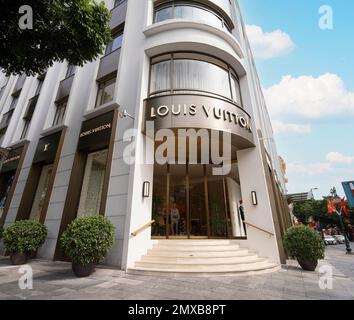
[[41, 192], [14, 102], [70, 71], [118, 2], [116, 43], [60, 113], [4, 87], [92, 185], [163, 14], [105, 92], [160, 77], [2, 90], [39, 86], [5, 121], [236, 92], [25, 129]]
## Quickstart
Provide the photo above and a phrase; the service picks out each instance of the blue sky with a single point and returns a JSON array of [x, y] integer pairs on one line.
[[314, 119]]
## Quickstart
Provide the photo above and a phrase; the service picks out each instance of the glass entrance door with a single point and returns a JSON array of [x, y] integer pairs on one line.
[[178, 215], [189, 202], [198, 221]]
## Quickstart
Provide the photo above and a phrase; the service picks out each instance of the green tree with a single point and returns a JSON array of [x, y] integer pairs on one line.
[[304, 210], [72, 30], [317, 209]]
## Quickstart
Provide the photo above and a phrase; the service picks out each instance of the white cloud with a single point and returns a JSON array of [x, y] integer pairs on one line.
[[280, 127], [336, 157], [268, 45], [309, 168], [310, 97]]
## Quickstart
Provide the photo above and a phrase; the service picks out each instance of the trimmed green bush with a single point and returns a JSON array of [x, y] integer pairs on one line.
[[304, 243], [88, 239], [24, 236]]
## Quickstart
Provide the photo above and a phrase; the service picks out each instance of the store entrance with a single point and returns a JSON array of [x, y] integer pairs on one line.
[[190, 202]]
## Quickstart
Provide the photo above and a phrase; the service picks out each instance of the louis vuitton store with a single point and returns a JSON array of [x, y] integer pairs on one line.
[[10, 171], [192, 91], [35, 200], [162, 135], [87, 191]]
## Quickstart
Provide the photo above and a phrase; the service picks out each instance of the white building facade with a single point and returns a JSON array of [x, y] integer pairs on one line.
[[79, 140]]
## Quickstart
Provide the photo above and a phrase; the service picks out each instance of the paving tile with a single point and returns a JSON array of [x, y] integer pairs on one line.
[[55, 280]]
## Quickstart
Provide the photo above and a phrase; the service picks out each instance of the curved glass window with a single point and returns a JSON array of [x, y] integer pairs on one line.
[[191, 73], [189, 10]]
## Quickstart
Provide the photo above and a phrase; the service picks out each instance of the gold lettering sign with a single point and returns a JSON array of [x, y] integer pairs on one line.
[[191, 110], [46, 146], [96, 130], [11, 159]]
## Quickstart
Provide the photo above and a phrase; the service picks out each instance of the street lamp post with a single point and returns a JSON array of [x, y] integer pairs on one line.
[[311, 195], [339, 210]]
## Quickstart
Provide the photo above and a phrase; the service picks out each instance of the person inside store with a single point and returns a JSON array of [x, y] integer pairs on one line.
[[175, 217]]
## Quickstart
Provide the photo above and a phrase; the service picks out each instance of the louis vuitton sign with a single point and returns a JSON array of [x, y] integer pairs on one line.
[[96, 132], [12, 160], [194, 111], [47, 148]]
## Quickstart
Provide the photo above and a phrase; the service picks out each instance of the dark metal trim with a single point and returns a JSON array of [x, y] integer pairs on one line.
[[14, 184]]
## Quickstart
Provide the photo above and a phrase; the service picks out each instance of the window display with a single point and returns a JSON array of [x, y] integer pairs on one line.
[[41, 192], [5, 190], [92, 185]]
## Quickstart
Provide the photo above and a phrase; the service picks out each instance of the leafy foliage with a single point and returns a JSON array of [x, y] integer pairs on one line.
[[1, 231], [24, 236], [304, 243], [72, 30], [317, 209], [88, 239]]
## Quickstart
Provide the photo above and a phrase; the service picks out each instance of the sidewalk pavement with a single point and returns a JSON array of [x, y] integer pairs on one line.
[[55, 280]]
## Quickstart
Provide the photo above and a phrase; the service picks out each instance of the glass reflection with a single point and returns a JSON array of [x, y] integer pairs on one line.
[[92, 185], [177, 200], [159, 202], [41, 192], [217, 210], [197, 209], [190, 11]]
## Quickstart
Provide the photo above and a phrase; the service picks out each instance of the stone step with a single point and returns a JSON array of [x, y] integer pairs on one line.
[[197, 260], [192, 248], [197, 242], [232, 269], [200, 257], [205, 265], [198, 254]]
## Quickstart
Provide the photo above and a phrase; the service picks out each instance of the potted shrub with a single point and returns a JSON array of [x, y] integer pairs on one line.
[[22, 240], [306, 245], [87, 241]]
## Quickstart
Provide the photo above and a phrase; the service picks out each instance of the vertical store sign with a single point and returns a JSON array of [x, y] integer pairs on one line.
[[349, 192]]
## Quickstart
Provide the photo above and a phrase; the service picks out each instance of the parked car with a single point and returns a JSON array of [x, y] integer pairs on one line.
[[329, 240], [339, 238]]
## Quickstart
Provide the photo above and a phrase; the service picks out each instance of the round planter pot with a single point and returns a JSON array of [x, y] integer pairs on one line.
[[308, 265], [18, 258], [31, 254], [81, 270]]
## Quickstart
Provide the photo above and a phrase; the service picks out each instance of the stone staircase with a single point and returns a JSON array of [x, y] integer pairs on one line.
[[200, 257]]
